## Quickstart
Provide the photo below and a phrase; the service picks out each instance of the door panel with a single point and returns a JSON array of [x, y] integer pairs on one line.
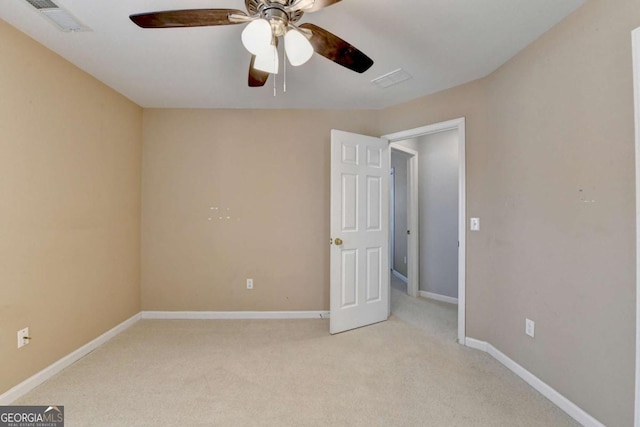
[[374, 275], [374, 203], [359, 229], [349, 202], [349, 279]]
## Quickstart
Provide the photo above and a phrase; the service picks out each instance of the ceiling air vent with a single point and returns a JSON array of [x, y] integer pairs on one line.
[[392, 78], [43, 4], [64, 20]]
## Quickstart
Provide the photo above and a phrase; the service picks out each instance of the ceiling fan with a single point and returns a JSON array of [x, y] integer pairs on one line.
[[268, 20]]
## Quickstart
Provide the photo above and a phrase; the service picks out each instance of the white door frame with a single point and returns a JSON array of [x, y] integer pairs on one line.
[[459, 125], [636, 92], [413, 272]]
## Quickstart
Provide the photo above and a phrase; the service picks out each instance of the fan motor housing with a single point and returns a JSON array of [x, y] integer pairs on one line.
[[278, 18], [267, 9]]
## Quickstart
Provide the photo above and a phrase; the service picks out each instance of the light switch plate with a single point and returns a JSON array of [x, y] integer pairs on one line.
[[530, 327], [475, 224]]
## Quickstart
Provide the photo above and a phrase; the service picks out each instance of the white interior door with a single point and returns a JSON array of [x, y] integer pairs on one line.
[[359, 231]]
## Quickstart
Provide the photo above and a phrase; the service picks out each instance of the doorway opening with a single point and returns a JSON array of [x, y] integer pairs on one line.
[[435, 246]]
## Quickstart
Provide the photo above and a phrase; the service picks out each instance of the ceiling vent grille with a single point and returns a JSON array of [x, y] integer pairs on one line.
[[392, 78], [62, 19], [42, 4]]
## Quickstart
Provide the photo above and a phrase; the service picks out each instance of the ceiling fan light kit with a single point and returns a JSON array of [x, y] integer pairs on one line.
[[258, 39], [267, 21]]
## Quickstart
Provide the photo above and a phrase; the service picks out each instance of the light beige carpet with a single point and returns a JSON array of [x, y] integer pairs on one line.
[[435, 318], [293, 373]]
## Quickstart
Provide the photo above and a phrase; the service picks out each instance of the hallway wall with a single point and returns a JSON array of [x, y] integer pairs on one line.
[[438, 192]]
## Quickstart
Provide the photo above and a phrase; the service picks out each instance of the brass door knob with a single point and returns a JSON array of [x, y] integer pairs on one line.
[[339, 242]]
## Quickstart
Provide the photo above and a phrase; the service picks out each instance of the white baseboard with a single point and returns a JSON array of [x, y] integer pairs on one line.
[[438, 297], [476, 344], [32, 382], [400, 276], [547, 391], [234, 315]]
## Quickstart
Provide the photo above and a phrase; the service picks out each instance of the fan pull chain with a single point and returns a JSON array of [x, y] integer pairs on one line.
[[275, 66], [285, 72]]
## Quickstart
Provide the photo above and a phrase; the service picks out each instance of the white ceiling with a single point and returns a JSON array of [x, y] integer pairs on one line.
[[441, 43]]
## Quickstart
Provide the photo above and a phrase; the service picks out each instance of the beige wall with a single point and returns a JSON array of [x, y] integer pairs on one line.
[[70, 153], [551, 129], [271, 170]]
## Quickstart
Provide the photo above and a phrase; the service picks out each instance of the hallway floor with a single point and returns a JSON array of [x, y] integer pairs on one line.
[[433, 317]]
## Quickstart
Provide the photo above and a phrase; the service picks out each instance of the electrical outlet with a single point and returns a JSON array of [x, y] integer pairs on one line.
[[249, 283], [23, 337], [530, 327]]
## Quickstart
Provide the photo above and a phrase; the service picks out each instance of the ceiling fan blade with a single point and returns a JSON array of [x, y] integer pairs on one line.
[[257, 78], [321, 4], [339, 51], [186, 18]]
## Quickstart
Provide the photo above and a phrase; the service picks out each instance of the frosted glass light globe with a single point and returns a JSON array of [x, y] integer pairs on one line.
[[267, 60], [256, 36], [298, 48]]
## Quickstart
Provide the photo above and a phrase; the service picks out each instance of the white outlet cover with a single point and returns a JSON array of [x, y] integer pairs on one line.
[[249, 283], [22, 333]]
